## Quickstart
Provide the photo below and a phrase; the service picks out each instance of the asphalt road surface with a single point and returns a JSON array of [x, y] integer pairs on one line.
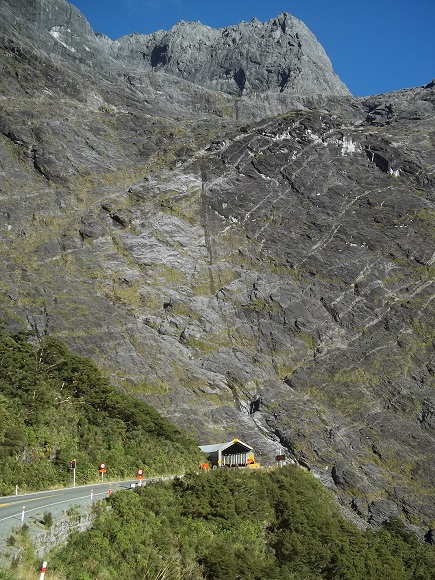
[[11, 507], [18, 509]]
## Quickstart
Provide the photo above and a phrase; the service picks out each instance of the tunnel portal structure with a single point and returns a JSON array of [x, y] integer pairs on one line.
[[233, 453]]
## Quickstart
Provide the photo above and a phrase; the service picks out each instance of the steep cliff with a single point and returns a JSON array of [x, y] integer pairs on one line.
[[209, 252]]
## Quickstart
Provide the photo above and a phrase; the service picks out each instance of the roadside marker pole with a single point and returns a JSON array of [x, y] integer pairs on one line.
[[16, 489], [73, 465], [92, 494], [23, 512], [43, 569]]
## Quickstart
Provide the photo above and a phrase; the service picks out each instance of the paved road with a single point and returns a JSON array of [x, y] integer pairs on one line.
[[11, 507], [55, 501]]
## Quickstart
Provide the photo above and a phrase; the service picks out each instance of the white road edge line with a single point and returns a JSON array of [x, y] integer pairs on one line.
[[54, 503]]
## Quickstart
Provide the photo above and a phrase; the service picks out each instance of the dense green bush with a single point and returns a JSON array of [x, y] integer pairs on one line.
[[238, 524], [56, 406]]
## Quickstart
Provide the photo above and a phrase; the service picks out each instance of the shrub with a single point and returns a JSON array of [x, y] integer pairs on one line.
[[229, 524], [48, 519]]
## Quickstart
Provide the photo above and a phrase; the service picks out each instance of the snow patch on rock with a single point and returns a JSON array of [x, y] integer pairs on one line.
[[56, 33]]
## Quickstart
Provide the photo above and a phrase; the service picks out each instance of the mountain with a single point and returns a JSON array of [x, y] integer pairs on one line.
[[281, 55], [250, 253]]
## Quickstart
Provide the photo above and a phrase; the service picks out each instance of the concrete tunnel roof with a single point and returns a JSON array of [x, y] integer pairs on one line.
[[223, 446]]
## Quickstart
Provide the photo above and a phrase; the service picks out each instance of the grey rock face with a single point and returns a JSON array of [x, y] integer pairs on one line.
[[55, 24], [281, 55], [206, 252], [382, 511]]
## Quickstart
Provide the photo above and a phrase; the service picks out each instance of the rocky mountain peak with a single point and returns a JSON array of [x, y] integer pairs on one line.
[[281, 55], [250, 58]]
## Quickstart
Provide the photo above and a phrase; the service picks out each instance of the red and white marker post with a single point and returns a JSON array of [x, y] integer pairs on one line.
[[73, 467], [43, 569]]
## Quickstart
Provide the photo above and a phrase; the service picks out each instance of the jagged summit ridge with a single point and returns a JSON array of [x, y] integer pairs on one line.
[[251, 57], [281, 55]]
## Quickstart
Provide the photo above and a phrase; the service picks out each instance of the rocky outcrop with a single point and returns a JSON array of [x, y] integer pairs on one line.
[[209, 254]]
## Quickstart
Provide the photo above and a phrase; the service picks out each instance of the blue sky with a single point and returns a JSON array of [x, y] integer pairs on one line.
[[375, 45]]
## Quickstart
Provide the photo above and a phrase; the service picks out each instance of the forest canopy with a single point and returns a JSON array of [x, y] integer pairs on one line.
[[56, 406], [238, 524]]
